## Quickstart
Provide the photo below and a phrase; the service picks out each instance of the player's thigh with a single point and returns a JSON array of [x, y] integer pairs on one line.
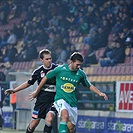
[[71, 127]]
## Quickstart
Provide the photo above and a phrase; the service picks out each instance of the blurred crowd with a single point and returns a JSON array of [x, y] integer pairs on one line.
[[48, 23]]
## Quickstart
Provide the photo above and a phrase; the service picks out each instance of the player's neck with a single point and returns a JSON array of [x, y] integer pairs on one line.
[[70, 67]]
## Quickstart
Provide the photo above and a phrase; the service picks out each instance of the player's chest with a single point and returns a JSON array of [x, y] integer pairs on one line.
[[69, 77]]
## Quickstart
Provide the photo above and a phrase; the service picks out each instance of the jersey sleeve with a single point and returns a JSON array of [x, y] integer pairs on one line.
[[85, 81], [33, 79]]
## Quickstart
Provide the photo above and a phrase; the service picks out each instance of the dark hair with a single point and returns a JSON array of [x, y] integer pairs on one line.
[[76, 56], [44, 51]]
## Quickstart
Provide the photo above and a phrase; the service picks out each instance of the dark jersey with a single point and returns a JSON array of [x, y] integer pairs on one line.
[[45, 98]]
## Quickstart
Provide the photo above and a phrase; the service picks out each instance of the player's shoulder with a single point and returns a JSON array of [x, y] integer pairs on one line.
[[60, 67], [63, 66], [54, 65], [81, 72], [38, 69]]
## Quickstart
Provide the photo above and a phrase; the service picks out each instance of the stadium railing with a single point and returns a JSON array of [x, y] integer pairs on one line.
[[91, 101]]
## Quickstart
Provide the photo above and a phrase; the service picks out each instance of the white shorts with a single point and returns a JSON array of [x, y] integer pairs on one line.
[[73, 111]]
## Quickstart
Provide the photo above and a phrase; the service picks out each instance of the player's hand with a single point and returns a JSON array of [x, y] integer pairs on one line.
[[9, 91], [104, 96], [32, 95]]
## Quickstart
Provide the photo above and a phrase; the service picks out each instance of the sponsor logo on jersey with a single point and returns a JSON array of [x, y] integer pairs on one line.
[[50, 88], [68, 87], [69, 79], [42, 74]]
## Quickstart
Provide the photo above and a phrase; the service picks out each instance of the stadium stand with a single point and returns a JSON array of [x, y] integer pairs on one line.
[[75, 37]]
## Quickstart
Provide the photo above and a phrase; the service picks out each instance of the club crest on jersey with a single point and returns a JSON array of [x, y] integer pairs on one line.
[[42, 74], [68, 87]]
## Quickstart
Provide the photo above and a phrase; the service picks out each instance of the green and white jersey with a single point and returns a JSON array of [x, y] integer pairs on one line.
[[67, 82]]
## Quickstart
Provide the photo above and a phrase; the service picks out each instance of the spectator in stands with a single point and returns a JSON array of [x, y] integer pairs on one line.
[[63, 52], [90, 57], [51, 40], [117, 55], [1, 42], [31, 51], [58, 41], [108, 49], [4, 12], [7, 70], [2, 76], [126, 35], [13, 9], [102, 38], [12, 39], [83, 27], [64, 32], [71, 20], [53, 21], [28, 52], [93, 27], [106, 26], [93, 40], [28, 34], [19, 30], [61, 55], [1, 55], [22, 53], [11, 53], [40, 37], [70, 50], [66, 43], [3, 39], [4, 52], [44, 22]]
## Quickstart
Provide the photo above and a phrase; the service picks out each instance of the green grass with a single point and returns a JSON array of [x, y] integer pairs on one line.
[[9, 130]]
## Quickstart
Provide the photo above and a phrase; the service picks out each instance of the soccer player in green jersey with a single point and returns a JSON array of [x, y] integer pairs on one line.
[[68, 77]]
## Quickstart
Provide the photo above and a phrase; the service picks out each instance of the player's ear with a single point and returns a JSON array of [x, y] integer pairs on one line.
[[69, 61], [41, 59]]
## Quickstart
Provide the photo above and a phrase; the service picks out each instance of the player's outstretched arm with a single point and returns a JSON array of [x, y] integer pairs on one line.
[[33, 94], [94, 89], [19, 88]]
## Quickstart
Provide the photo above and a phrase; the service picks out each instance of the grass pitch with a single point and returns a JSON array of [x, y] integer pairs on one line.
[[9, 130]]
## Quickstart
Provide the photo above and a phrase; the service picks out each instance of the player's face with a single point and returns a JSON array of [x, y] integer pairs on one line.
[[47, 60], [75, 65]]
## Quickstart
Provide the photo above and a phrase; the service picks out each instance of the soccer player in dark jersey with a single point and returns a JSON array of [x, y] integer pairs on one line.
[[68, 77], [45, 97]]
